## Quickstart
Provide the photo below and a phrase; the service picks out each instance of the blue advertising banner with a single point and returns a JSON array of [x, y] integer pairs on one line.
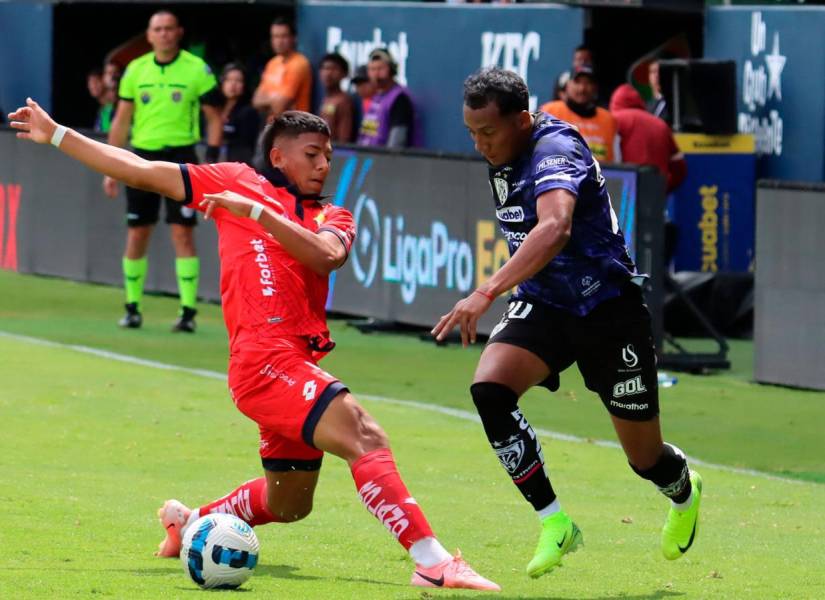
[[714, 208], [438, 46], [780, 63]]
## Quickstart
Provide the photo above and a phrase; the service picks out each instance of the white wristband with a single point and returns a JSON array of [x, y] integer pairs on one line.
[[256, 211], [57, 136]]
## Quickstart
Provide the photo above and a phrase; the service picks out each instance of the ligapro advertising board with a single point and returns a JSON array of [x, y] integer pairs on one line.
[[438, 46], [427, 233], [780, 66]]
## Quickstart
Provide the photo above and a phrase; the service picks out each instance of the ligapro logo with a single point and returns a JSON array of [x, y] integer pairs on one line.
[[513, 51], [384, 246], [357, 52]]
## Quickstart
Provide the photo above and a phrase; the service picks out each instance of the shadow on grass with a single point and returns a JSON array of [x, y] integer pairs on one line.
[[282, 572]]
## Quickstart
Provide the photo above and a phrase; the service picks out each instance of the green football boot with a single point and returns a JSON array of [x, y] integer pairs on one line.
[[681, 526], [559, 535]]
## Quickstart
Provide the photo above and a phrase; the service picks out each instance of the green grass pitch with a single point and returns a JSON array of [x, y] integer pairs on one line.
[[90, 447]]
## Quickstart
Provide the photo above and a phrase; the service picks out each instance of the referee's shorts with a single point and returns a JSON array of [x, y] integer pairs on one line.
[[143, 208]]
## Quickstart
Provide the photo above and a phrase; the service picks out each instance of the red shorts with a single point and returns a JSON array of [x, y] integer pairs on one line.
[[285, 392]]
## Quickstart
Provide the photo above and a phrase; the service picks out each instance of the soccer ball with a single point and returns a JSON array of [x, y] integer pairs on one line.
[[219, 551]]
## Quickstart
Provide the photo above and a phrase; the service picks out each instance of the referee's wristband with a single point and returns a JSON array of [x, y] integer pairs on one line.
[[256, 211], [57, 136]]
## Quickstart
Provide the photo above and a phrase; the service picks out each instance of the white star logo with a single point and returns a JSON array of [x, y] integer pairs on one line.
[[775, 63]]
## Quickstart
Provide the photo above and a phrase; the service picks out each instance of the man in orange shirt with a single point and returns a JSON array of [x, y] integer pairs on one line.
[[596, 125], [286, 83]]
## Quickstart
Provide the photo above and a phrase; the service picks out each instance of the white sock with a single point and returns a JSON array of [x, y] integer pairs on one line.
[[550, 509], [683, 505], [428, 552]]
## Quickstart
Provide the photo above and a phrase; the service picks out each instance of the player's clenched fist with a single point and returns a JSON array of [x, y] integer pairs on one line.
[[32, 123]]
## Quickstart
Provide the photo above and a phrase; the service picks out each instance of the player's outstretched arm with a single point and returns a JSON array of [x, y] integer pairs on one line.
[[33, 123], [323, 252], [545, 240]]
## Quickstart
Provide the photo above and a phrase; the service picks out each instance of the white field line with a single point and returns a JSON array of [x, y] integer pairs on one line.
[[444, 410]]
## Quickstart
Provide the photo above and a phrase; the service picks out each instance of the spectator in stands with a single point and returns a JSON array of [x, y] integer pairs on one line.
[[94, 85], [583, 55], [390, 119], [596, 125], [337, 106], [286, 83], [657, 106], [646, 140], [364, 87], [560, 88], [241, 122], [108, 100]]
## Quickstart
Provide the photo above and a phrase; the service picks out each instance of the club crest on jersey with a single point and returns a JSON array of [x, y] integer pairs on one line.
[[511, 455], [177, 96], [145, 97], [501, 189]]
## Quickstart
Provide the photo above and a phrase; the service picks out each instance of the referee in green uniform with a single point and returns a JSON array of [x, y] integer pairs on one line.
[[161, 96]]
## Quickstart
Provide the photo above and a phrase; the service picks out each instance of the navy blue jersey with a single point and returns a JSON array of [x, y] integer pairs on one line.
[[594, 265]]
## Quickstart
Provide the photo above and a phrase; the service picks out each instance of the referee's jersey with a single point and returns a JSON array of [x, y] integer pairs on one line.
[[167, 98]]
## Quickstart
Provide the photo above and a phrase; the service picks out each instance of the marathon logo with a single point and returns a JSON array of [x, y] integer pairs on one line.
[[551, 162], [512, 214]]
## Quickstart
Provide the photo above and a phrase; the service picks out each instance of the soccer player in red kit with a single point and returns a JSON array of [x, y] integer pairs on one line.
[[278, 244]]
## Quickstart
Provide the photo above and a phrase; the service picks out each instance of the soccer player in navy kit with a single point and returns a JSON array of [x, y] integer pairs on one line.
[[578, 299]]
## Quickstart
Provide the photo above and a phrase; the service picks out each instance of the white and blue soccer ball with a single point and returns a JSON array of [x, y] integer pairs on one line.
[[219, 551]]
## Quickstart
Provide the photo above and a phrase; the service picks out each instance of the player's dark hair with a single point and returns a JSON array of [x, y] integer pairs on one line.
[[291, 124], [286, 23], [337, 59], [506, 89], [95, 72]]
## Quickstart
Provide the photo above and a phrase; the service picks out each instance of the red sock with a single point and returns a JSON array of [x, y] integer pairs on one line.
[[384, 494], [248, 502]]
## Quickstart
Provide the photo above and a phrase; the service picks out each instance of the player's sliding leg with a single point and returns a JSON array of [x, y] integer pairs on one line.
[[666, 466], [187, 269], [135, 266], [282, 496], [504, 372], [348, 431]]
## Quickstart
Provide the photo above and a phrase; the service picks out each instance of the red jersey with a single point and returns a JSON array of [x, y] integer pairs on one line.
[[266, 293]]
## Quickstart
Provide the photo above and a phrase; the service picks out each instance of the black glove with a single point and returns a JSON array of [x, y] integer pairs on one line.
[[213, 153]]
